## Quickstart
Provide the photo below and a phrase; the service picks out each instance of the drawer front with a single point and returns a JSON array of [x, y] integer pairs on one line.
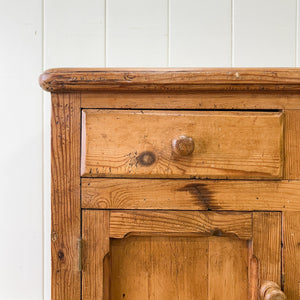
[[182, 144]]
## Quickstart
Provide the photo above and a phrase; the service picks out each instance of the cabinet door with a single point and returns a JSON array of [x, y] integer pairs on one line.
[[183, 255]]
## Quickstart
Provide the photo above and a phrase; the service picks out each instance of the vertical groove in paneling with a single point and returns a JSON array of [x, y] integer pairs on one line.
[[74, 33], [232, 33], [137, 33], [265, 33], [21, 275], [200, 33], [105, 33], [297, 34], [169, 32]]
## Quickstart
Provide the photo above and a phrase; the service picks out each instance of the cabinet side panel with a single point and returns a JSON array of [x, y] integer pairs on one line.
[[292, 144], [291, 254], [95, 235], [65, 196], [267, 245]]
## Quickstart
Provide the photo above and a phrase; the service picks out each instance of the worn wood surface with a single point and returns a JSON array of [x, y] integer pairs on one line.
[[55, 80], [159, 268], [271, 291], [267, 245], [227, 269], [238, 224], [292, 144], [191, 100], [165, 254], [65, 196], [252, 273], [179, 268], [95, 235], [291, 254], [138, 143], [106, 193], [240, 249]]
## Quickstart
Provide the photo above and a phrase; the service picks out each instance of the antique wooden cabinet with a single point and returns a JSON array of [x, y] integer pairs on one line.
[[175, 183]]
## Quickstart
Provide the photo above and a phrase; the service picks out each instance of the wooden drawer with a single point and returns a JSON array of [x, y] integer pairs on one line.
[[182, 144]]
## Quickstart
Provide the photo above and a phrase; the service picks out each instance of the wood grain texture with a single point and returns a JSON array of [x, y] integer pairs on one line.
[[237, 224], [95, 234], [227, 269], [159, 268], [106, 193], [55, 80], [291, 254], [271, 291], [191, 100], [227, 144], [292, 144], [267, 245], [65, 196], [252, 273], [187, 255]]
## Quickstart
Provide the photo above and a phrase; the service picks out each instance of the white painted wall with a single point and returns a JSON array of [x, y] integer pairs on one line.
[[21, 164], [40, 34]]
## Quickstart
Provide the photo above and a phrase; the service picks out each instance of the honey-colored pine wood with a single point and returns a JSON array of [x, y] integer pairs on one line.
[[267, 245], [105, 193], [139, 143], [271, 291], [191, 100], [291, 254], [149, 259], [179, 268], [58, 80], [292, 144], [158, 231], [252, 273], [65, 196], [159, 268], [227, 269], [238, 224], [95, 234]]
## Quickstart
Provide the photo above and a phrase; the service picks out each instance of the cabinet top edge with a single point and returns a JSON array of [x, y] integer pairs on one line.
[[170, 79]]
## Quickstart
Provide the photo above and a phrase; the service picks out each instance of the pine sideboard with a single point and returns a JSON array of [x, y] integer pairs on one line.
[[175, 183]]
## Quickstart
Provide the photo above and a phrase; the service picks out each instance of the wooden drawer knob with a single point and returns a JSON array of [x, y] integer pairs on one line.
[[183, 145], [271, 291]]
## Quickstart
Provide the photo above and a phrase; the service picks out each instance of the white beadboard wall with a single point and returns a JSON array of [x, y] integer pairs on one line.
[[40, 34], [21, 151]]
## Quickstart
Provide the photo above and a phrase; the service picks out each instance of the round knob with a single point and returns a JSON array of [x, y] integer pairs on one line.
[[271, 291], [183, 145]]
